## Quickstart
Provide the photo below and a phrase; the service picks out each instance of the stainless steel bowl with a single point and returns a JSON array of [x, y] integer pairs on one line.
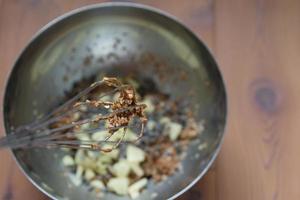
[[116, 38]]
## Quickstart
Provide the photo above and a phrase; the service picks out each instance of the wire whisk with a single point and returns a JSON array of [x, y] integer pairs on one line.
[[61, 127]]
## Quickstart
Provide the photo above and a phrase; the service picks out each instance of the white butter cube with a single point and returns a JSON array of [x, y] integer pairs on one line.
[[121, 168], [174, 129], [135, 188], [97, 184], [135, 154], [137, 169], [89, 174], [118, 185], [68, 160]]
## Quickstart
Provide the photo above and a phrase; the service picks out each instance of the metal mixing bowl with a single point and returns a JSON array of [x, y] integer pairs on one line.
[[118, 39]]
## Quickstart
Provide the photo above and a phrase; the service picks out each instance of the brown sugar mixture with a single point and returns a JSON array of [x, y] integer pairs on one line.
[[164, 157], [151, 153]]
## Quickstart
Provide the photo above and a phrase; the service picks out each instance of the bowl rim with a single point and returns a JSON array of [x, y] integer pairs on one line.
[[132, 5]]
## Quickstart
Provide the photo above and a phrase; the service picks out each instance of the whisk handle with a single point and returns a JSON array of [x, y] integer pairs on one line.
[[15, 141]]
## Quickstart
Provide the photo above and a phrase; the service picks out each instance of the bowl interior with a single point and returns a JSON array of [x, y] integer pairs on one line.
[[115, 40]]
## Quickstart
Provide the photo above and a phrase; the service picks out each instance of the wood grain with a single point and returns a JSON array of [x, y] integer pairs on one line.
[[256, 44]]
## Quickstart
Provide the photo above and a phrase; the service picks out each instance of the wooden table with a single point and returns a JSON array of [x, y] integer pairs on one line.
[[257, 45]]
